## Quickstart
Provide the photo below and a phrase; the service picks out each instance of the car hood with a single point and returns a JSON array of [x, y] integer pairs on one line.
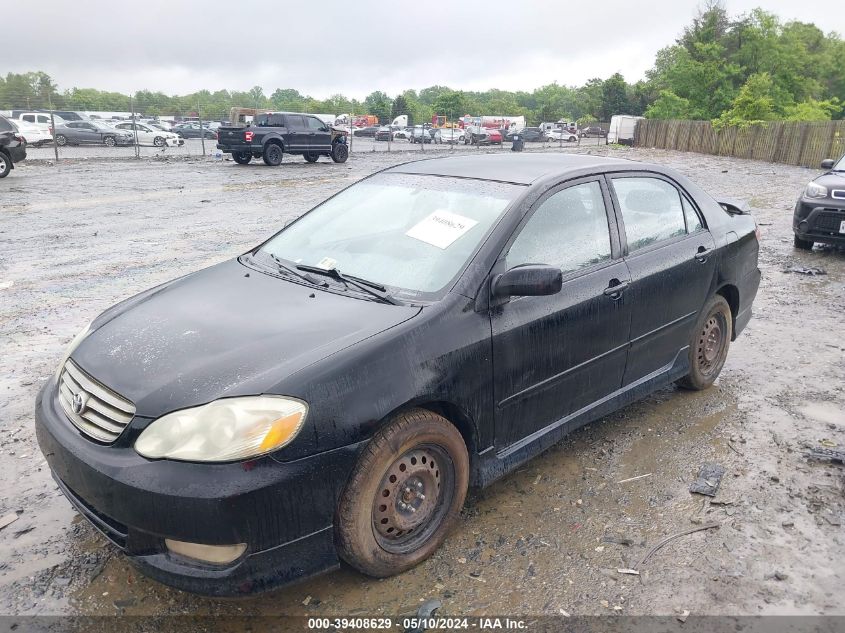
[[832, 180], [224, 331]]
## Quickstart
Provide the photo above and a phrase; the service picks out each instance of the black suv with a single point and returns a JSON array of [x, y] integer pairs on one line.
[[12, 146], [277, 133], [820, 211]]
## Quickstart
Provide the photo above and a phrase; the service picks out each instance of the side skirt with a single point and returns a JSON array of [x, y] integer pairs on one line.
[[492, 464]]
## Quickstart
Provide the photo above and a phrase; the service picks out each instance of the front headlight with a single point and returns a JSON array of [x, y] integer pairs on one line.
[[815, 190], [225, 430], [70, 348]]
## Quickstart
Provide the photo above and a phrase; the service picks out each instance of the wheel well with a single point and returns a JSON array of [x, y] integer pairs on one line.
[[275, 141], [452, 413], [731, 295]]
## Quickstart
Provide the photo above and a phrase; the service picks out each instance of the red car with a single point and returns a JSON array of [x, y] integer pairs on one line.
[[482, 136]]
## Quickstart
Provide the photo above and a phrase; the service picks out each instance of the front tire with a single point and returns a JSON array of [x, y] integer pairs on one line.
[[242, 158], [804, 245], [109, 141], [340, 152], [404, 495], [273, 155], [709, 344], [158, 141]]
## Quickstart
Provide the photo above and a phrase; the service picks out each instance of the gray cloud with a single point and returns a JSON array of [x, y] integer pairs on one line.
[[353, 47]]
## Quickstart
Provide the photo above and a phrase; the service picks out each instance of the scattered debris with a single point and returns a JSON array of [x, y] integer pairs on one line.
[[307, 601], [651, 552], [617, 540], [778, 575], [6, 284], [427, 610], [709, 478], [788, 524], [564, 613], [806, 270], [630, 572], [827, 453], [683, 616], [8, 519], [625, 481]]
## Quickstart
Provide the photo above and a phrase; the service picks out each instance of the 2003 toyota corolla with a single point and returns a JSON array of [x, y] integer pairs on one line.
[[332, 393]]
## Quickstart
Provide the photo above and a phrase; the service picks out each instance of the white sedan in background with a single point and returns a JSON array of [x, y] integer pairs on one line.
[[148, 134], [451, 135], [36, 134], [562, 134]]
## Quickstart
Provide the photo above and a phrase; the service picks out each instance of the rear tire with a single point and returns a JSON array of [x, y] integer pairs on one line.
[[804, 245], [242, 158], [5, 165], [273, 154], [709, 344], [340, 152], [404, 495], [61, 140]]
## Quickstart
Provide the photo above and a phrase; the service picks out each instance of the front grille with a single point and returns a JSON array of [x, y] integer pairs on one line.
[[827, 221], [94, 409]]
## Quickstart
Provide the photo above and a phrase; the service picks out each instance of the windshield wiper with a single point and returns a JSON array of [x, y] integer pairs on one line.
[[370, 287], [285, 266]]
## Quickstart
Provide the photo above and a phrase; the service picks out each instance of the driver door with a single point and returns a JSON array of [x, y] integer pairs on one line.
[[319, 136], [556, 355]]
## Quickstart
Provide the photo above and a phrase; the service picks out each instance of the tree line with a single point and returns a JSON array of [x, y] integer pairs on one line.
[[730, 69]]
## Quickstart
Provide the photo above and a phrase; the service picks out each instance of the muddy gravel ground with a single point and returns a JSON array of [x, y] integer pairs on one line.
[[77, 237]]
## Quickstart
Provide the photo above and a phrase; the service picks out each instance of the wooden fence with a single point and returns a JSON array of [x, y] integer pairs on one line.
[[790, 142]]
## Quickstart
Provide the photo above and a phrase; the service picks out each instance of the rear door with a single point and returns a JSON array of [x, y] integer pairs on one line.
[[298, 133], [555, 355], [670, 254], [319, 136]]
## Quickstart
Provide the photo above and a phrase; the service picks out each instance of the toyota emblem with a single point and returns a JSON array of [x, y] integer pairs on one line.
[[78, 403]]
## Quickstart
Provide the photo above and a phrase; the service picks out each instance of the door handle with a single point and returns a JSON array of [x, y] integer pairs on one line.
[[616, 288], [703, 254]]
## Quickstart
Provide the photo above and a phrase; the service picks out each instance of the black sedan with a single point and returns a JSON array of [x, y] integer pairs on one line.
[[820, 211], [12, 146], [193, 130], [527, 134], [592, 131], [332, 393], [366, 131]]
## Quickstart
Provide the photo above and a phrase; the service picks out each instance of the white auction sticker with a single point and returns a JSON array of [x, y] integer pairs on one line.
[[441, 228]]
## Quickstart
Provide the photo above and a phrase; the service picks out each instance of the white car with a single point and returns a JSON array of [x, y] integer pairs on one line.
[[560, 134], [36, 134], [148, 134], [451, 135]]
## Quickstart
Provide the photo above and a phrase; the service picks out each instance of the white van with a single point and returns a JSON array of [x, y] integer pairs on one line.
[[622, 128]]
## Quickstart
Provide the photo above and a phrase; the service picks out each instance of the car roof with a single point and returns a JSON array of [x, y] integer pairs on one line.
[[522, 169]]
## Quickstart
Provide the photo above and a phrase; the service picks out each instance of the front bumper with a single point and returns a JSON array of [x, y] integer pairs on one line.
[[283, 511], [819, 220]]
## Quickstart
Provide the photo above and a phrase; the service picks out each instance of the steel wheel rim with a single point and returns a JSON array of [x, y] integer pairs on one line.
[[158, 141], [413, 498], [109, 141], [711, 343], [61, 140]]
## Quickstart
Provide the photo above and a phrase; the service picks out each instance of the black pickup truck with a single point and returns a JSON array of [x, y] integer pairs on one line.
[[274, 134]]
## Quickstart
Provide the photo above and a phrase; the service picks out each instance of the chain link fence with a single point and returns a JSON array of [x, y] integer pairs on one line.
[[157, 126]]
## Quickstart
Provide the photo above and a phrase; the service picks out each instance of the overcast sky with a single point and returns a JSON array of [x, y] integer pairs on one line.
[[356, 46]]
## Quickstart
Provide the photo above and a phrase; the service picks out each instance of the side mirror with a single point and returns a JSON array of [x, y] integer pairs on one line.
[[827, 163], [532, 280]]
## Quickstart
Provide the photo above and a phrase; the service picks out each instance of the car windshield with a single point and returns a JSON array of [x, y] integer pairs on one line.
[[840, 166], [410, 233]]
